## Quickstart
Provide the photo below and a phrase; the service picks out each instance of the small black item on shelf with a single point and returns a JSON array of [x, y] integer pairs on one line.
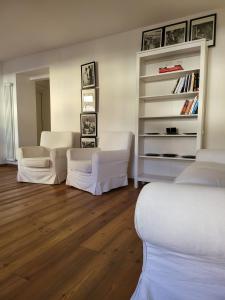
[[152, 154], [190, 133], [152, 133], [171, 130], [169, 155], [189, 156]]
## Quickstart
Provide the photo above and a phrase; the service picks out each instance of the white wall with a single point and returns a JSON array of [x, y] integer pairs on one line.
[[26, 111], [116, 57], [2, 135]]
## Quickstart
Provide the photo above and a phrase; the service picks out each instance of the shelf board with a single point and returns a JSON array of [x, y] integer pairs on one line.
[[169, 96], [167, 76], [152, 178], [167, 158], [167, 135], [169, 117]]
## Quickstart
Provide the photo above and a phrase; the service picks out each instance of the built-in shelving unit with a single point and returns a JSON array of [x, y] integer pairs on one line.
[[159, 108]]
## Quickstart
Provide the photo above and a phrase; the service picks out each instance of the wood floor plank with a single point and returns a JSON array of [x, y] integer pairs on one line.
[[57, 242]]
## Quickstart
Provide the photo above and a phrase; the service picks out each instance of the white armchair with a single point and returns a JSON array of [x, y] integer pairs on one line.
[[46, 163], [98, 170], [182, 226]]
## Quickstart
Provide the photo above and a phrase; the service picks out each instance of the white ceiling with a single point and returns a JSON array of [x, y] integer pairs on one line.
[[29, 26]]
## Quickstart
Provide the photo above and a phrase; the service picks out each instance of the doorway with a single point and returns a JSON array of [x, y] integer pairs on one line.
[[33, 106], [43, 112]]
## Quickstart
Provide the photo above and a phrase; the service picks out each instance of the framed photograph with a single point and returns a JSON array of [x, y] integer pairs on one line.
[[175, 34], [88, 100], [204, 27], [88, 75], [88, 142], [152, 39], [88, 124]]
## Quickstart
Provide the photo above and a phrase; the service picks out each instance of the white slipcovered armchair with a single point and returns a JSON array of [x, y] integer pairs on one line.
[[182, 226], [98, 170], [46, 163]]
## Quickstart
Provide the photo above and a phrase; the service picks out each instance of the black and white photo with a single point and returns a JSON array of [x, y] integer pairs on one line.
[[88, 75], [88, 142], [152, 39], [88, 100], [88, 124], [175, 34], [204, 27]]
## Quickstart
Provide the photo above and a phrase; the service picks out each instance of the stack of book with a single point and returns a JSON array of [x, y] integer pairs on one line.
[[190, 107], [187, 83]]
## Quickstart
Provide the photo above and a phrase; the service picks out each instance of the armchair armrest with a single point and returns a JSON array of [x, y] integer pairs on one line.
[[81, 153], [217, 156], [58, 153], [110, 156], [32, 151], [185, 218]]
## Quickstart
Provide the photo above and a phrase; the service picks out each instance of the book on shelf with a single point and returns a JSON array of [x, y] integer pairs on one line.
[[188, 110], [170, 69], [187, 83], [190, 107], [184, 107], [194, 110]]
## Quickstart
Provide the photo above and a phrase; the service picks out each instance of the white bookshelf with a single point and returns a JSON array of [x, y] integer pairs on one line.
[[158, 108]]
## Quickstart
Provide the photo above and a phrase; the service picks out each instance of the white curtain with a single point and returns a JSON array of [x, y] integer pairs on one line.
[[10, 154]]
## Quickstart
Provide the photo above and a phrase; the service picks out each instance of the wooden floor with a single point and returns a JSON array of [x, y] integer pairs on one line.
[[57, 242]]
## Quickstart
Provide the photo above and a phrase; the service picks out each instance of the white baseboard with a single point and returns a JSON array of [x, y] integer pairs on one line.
[[10, 162]]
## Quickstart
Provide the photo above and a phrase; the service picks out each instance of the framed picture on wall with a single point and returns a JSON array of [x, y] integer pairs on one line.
[[88, 75], [152, 39], [175, 33], [88, 142], [88, 124], [204, 27], [88, 100]]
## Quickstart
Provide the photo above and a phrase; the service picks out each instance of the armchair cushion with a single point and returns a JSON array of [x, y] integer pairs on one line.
[[80, 165], [110, 156], [204, 173], [32, 151], [36, 162]]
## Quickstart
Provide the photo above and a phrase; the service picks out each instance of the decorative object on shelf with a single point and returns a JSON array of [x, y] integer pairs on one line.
[[88, 100], [189, 156], [175, 33], [88, 142], [153, 133], [190, 133], [169, 155], [170, 69], [152, 154], [171, 130], [152, 39], [204, 27], [88, 125], [88, 75]]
